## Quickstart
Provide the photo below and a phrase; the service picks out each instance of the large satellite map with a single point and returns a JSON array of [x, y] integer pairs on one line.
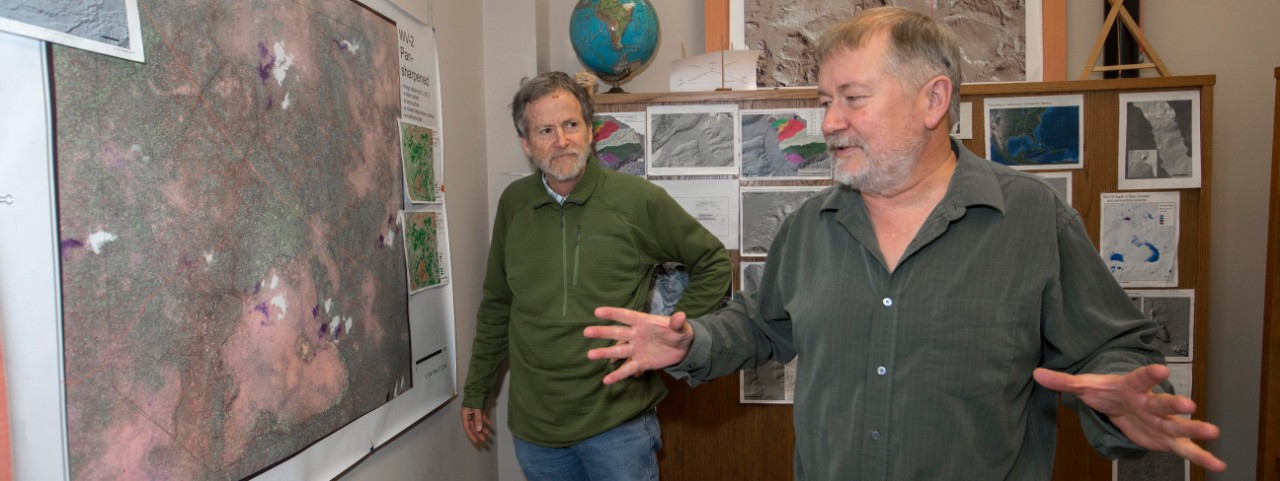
[[232, 291], [992, 35]]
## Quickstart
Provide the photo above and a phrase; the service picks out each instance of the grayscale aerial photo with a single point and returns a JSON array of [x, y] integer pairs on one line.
[[692, 140], [98, 20], [763, 212], [992, 35]]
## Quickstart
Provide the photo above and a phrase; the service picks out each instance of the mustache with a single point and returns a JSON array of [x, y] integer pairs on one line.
[[569, 151], [837, 141]]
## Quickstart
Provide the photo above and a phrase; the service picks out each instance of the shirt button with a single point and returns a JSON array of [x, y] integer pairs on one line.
[[888, 302], [881, 370], [875, 435]]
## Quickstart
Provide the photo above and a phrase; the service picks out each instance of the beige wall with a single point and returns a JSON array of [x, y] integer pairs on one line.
[[436, 448], [1234, 40], [1238, 42]]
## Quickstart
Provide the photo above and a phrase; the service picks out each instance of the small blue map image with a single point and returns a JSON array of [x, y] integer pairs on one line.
[[1140, 241], [1035, 136]]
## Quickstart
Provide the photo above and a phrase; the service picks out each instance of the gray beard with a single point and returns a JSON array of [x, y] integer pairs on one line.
[[578, 167], [881, 175]]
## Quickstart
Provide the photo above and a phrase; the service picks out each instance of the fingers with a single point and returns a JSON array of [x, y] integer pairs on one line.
[[617, 333], [1178, 427], [476, 425], [625, 316], [1197, 455], [1152, 420], [627, 369], [476, 437], [469, 425], [1145, 378], [677, 321], [1168, 404], [616, 351], [1057, 381]]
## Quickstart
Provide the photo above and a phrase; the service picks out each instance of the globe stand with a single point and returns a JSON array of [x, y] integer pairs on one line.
[[615, 81]]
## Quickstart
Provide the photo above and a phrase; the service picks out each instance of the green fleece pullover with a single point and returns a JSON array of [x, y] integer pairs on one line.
[[550, 266]]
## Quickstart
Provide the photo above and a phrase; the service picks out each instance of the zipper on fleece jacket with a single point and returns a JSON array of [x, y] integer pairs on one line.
[[564, 267], [577, 251]]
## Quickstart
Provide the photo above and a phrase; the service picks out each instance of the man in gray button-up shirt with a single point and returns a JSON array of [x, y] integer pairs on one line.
[[936, 300]]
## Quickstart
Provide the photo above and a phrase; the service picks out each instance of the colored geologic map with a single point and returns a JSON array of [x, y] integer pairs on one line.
[[619, 141], [784, 143], [232, 290]]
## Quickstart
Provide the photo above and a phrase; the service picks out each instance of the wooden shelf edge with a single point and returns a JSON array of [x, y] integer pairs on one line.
[[810, 93]]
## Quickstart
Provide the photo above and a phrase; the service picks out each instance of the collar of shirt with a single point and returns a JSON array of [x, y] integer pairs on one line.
[[559, 198], [592, 177]]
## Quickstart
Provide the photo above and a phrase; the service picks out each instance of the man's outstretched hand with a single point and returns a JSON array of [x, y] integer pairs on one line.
[[645, 341], [1149, 419]]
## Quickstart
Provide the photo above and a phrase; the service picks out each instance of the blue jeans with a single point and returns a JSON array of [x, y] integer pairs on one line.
[[628, 452]]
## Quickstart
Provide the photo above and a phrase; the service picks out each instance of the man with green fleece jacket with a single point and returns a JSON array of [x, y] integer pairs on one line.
[[568, 239]]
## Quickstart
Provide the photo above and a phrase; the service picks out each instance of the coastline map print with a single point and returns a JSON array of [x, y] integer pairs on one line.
[[231, 288], [1034, 133]]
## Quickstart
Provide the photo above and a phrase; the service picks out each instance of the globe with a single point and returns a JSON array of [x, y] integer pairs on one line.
[[614, 38]]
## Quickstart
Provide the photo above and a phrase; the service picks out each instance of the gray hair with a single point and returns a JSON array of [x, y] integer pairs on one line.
[[919, 47], [545, 84]]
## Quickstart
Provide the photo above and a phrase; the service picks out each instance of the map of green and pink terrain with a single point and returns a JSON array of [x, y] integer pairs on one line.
[[232, 286]]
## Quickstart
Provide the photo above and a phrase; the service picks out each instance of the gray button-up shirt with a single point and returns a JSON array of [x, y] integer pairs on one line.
[[925, 372]]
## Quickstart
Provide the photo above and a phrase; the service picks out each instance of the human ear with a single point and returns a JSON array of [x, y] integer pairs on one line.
[[937, 93]]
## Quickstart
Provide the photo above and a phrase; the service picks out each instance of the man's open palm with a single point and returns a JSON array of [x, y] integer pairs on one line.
[[1149, 419]]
